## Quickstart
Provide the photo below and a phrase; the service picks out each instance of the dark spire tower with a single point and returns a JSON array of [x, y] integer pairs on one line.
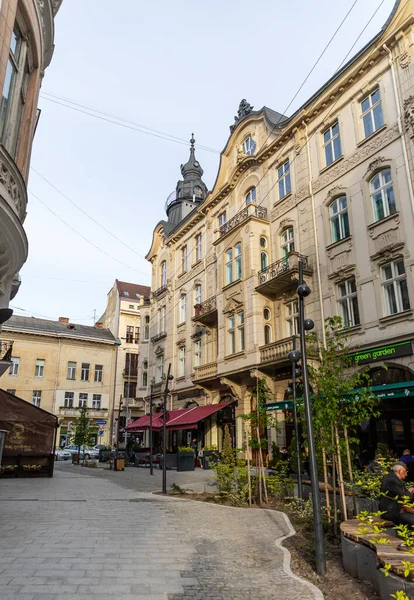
[[189, 192]]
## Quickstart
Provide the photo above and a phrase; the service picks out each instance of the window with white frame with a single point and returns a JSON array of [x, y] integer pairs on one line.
[[36, 397], [394, 287], [181, 361], [146, 328], [332, 144], [371, 112], [197, 354], [249, 146], [40, 368], [264, 260], [163, 317], [240, 331], [184, 259], [287, 242], [164, 274], [231, 335], [229, 266], [14, 367], [283, 179], [71, 370], [98, 373], [183, 309], [136, 335], [382, 195], [159, 368], [338, 218], [237, 261], [251, 196], [222, 219], [348, 302], [129, 334], [235, 333], [292, 317], [199, 246], [68, 402], [85, 372], [83, 400], [96, 400], [197, 294]]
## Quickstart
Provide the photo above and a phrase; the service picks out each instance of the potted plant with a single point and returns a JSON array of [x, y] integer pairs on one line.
[[32, 468], [8, 469], [185, 459], [210, 456]]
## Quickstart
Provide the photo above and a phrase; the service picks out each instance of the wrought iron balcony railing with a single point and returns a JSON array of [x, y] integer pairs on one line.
[[282, 274], [249, 211], [160, 291], [206, 312]]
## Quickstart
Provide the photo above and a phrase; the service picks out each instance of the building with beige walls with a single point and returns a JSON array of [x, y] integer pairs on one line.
[[61, 366], [127, 317], [26, 49], [331, 186]]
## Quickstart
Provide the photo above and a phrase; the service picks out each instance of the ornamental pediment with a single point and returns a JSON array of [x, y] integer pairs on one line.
[[232, 305]]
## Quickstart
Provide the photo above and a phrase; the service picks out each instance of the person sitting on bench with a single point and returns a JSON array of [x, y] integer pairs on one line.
[[393, 492]]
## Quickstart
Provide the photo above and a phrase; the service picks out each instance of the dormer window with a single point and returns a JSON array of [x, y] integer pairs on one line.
[[126, 293], [249, 146]]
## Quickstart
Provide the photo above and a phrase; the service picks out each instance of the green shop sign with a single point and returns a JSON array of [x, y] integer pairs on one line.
[[382, 352]]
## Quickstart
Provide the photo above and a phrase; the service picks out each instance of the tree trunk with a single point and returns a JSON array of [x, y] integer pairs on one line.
[[325, 478], [334, 498], [246, 429], [348, 456], [341, 478]]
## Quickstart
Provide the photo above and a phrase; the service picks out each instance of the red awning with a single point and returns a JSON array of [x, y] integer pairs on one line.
[[186, 418], [143, 423]]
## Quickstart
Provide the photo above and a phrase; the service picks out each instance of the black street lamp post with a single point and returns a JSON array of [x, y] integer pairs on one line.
[[150, 434], [164, 433], [295, 416]]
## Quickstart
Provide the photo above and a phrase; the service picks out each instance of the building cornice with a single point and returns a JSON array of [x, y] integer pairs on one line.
[[54, 336]]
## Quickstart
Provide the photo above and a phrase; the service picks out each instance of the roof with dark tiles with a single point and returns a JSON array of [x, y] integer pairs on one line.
[[57, 329]]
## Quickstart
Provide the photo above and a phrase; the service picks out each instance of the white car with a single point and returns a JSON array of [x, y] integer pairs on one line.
[[85, 452], [62, 454]]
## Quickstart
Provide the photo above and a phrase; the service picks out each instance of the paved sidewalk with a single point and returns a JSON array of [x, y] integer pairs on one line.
[[85, 537]]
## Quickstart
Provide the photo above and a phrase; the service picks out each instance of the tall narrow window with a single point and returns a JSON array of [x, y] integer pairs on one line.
[[231, 335], [159, 368], [288, 242], [36, 397], [371, 112], [71, 370], [129, 334], [98, 373], [183, 308], [197, 353], [238, 261], [184, 259], [144, 373], [263, 254], [181, 362], [229, 266], [283, 179], [222, 218], [164, 274], [163, 319], [146, 328], [68, 402], [332, 144], [40, 368], [240, 331], [292, 317], [85, 372], [249, 145], [83, 400], [197, 294], [251, 196], [14, 367], [338, 217], [96, 401], [394, 285], [267, 327], [199, 247], [348, 302], [382, 194]]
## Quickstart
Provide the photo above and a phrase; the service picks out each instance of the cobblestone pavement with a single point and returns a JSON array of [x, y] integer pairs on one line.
[[90, 537]]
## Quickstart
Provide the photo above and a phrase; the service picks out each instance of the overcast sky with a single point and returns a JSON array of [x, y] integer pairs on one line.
[[176, 67]]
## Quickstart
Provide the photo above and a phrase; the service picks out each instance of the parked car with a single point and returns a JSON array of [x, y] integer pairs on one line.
[[85, 452], [62, 454]]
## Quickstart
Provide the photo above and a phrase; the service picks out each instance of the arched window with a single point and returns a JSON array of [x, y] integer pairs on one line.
[[266, 314], [288, 242], [263, 260], [144, 378], [263, 242], [251, 196], [268, 334], [164, 274], [249, 145], [338, 217], [382, 194]]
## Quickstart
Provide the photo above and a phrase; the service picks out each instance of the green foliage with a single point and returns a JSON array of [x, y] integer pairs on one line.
[[303, 509], [386, 570], [259, 418], [276, 456], [279, 486], [368, 485], [400, 595], [210, 448], [82, 436], [185, 449], [176, 489]]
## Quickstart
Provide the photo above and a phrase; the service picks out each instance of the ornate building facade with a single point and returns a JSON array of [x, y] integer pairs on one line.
[[332, 185]]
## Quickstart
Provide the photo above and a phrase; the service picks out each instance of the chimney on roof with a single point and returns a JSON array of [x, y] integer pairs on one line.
[[99, 325], [63, 320]]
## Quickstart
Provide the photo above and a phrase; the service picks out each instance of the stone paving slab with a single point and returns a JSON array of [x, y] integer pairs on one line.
[[87, 537]]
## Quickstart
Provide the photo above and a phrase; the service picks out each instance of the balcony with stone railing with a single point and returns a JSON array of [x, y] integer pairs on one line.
[[160, 291], [252, 210], [276, 352], [6, 349], [207, 371], [282, 275], [206, 312]]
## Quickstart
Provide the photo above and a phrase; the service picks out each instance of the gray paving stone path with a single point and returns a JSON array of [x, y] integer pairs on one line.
[[102, 536]]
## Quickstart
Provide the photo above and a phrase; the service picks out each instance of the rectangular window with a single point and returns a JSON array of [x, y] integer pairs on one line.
[[181, 362], [40, 368], [98, 373], [12, 392], [238, 261], [332, 144], [10, 81], [96, 401], [159, 369], [144, 379], [184, 259], [348, 303], [199, 247], [129, 334], [222, 219], [71, 370], [394, 286], [240, 331], [131, 307], [371, 111], [183, 308], [14, 367], [131, 364], [36, 397], [292, 317], [197, 353], [164, 274], [163, 319], [146, 328], [229, 266], [69, 399], [283, 179], [197, 294], [231, 335], [85, 372], [136, 335], [83, 400]]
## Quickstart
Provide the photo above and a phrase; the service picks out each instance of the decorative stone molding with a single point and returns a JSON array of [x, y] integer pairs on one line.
[[387, 253], [12, 186], [232, 305], [368, 149], [339, 247], [342, 272], [244, 109], [337, 190], [376, 164], [385, 225], [409, 115]]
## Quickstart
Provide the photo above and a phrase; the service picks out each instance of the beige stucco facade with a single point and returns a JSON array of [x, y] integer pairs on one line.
[[347, 212]]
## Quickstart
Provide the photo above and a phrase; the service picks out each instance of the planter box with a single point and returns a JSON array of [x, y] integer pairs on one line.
[[368, 504], [119, 464], [209, 457], [185, 461], [75, 459], [171, 461]]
